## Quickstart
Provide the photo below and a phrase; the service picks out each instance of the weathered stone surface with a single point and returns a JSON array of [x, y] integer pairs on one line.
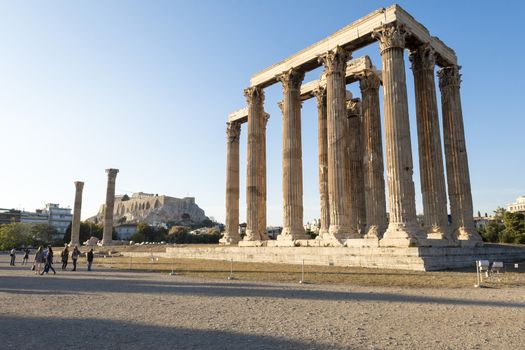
[[108, 208], [77, 209], [373, 169], [402, 229], [458, 177], [231, 233], [429, 141]]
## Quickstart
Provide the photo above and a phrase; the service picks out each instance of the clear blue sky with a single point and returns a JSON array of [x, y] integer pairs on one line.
[[146, 86]]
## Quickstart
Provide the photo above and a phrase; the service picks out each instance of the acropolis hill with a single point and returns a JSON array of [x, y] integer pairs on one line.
[[153, 209]]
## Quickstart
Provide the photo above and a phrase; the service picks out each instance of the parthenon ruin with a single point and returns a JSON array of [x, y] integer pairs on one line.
[[353, 204]]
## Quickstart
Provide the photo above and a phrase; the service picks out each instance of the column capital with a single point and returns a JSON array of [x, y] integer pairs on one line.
[[320, 95], [233, 132], [280, 104], [353, 107], [79, 185], [112, 172], [390, 36], [265, 120], [334, 61], [422, 58], [449, 76], [254, 94], [291, 79], [369, 81]]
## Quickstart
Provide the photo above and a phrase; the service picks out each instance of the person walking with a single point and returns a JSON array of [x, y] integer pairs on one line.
[[39, 259], [13, 257], [49, 261], [74, 256], [26, 256], [90, 259], [65, 257]]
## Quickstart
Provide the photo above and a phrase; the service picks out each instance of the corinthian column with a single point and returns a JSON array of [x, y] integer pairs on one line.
[[231, 234], [458, 178], [254, 179], [320, 94], [108, 209], [402, 229], [292, 157], [356, 198], [429, 141], [335, 67], [75, 225], [373, 157]]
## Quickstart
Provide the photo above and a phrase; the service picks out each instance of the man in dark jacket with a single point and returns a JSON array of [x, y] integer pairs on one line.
[[90, 259]]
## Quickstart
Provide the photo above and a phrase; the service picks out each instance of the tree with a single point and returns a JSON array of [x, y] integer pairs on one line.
[[514, 231], [15, 235], [87, 230], [42, 234]]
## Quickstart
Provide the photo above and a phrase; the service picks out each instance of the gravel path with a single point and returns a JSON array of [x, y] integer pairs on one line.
[[108, 309]]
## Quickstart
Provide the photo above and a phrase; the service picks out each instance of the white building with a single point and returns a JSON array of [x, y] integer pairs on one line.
[[59, 218], [519, 206]]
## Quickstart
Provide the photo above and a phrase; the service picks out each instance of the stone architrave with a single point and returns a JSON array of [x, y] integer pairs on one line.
[[373, 169], [322, 142], [356, 199], [429, 141], [231, 233], [334, 63], [458, 178], [255, 155], [292, 157], [403, 229], [108, 209], [77, 209]]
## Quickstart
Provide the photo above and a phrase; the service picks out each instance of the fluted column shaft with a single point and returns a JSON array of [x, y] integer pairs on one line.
[[292, 157], [429, 141], [108, 210], [322, 144], [231, 234], [356, 198], [255, 155], [77, 209], [335, 67], [402, 229], [373, 169], [262, 213], [458, 177]]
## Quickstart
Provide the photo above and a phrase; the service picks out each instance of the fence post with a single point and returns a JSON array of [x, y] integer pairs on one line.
[[302, 273], [230, 277]]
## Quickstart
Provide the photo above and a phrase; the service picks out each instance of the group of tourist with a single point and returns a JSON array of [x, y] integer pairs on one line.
[[43, 261]]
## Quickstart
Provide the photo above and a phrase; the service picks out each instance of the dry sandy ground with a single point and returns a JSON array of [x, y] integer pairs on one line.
[[107, 309]]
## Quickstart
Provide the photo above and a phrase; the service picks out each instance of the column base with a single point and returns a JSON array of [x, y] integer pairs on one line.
[[229, 240], [73, 244], [402, 235], [465, 234], [288, 234], [342, 232], [106, 242]]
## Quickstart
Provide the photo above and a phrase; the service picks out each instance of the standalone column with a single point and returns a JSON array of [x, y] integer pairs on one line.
[[292, 157], [402, 229], [231, 234], [77, 209], [320, 94], [373, 157], [356, 198], [335, 69], [254, 179], [429, 141], [108, 210], [458, 178]]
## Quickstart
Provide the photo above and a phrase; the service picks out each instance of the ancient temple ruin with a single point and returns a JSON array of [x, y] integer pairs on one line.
[[353, 207]]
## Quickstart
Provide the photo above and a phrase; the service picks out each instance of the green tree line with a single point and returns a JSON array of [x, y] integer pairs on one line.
[[506, 227]]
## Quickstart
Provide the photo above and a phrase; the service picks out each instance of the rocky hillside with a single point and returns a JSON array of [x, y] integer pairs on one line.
[[153, 209]]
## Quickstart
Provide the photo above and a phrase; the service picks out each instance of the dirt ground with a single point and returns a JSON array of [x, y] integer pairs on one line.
[[119, 309]]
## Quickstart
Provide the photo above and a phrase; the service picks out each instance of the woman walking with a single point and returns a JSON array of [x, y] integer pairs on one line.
[[26, 256], [49, 261], [39, 259], [74, 256], [65, 257]]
